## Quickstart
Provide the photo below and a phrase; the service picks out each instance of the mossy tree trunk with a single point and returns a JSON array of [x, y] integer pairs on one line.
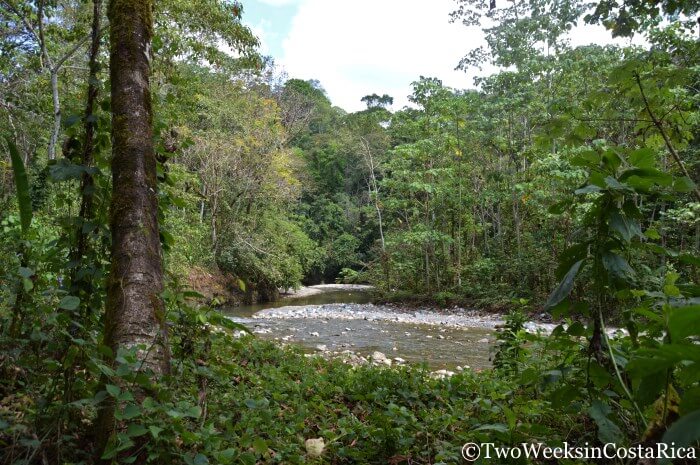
[[134, 316]]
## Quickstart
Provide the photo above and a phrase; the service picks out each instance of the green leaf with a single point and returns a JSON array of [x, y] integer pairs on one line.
[[500, 427], [69, 302], [589, 189], [683, 432], [608, 432], [643, 158], [617, 266], [683, 184], [691, 400], [587, 159], [649, 361], [135, 430], [689, 259], [130, 411], [247, 458], [113, 390], [684, 322], [565, 286], [226, 455], [614, 184], [194, 412], [260, 446], [24, 199], [626, 228], [155, 431], [64, 170], [25, 272]]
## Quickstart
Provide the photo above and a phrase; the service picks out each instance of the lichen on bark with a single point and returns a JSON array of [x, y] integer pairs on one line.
[[134, 316]]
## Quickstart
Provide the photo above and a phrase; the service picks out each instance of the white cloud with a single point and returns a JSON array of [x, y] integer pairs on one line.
[[366, 46], [279, 2], [261, 31]]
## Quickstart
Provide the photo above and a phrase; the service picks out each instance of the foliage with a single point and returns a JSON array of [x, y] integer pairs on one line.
[[566, 181]]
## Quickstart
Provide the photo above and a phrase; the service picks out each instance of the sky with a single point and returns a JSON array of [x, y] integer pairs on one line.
[[355, 48]]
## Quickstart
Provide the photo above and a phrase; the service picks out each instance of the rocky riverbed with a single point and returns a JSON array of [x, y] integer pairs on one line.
[[456, 318], [339, 321], [358, 332]]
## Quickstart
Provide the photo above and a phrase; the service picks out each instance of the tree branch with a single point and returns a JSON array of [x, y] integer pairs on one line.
[[659, 125]]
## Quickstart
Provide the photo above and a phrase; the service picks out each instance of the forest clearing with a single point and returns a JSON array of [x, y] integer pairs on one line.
[[324, 232]]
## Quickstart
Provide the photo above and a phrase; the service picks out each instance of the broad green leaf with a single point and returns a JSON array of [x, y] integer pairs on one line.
[[649, 361], [683, 432], [614, 184], [565, 286], [683, 185], [589, 189], [608, 432], [226, 455], [643, 158], [684, 322], [130, 411], [155, 431], [25, 272], [69, 302], [193, 412], [617, 266], [135, 430], [690, 401], [500, 427], [113, 390], [24, 199], [626, 227], [64, 170]]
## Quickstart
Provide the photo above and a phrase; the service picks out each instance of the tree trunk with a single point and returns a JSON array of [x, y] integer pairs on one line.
[[53, 141], [134, 317], [87, 184]]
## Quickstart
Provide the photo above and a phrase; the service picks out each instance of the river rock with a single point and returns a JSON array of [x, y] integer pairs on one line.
[[378, 358], [442, 374], [483, 341], [314, 334]]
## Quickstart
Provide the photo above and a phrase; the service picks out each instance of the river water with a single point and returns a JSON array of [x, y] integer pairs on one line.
[[345, 320]]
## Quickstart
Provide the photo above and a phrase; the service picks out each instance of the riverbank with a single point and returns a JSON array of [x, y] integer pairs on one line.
[[307, 291]]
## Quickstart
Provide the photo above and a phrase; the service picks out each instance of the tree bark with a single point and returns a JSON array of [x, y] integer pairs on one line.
[[87, 184], [134, 316]]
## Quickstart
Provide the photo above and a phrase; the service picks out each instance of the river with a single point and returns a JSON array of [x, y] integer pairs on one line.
[[333, 321]]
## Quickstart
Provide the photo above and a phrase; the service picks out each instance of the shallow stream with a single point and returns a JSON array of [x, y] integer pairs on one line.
[[345, 320]]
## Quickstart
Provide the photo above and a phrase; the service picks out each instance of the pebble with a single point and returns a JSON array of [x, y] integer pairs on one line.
[[314, 334]]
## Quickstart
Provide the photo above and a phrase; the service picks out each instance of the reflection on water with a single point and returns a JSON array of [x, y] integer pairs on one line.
[[437, 346]]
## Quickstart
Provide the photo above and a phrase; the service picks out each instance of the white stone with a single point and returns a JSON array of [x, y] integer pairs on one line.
[[314, 447]]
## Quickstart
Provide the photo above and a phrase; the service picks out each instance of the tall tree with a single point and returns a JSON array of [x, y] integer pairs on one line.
[[134, 319]]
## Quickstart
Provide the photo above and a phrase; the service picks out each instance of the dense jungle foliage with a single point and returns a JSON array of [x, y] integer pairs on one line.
[[565, 183]]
